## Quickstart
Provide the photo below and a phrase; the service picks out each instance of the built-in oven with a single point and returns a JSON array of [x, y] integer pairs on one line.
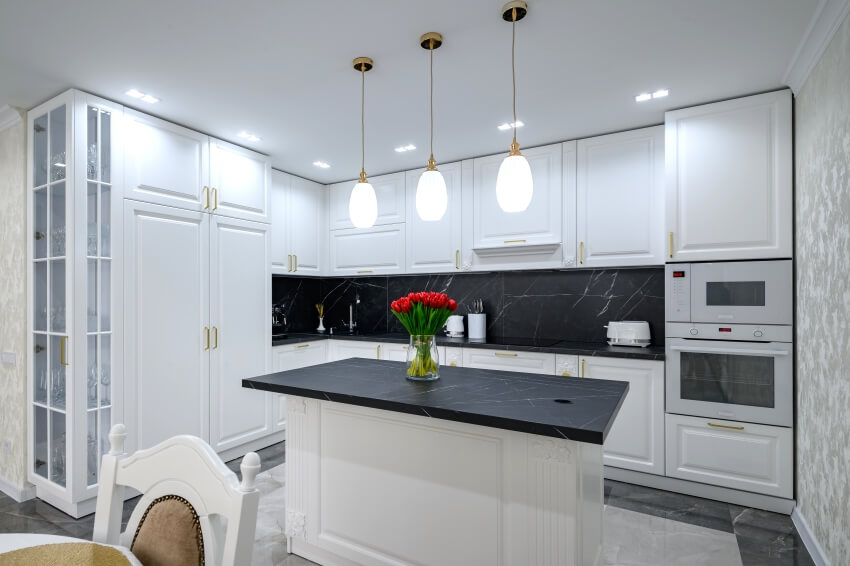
[[736, 372]]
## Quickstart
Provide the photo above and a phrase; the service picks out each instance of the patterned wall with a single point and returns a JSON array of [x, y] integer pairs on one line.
[[13, 303], [823, 298]]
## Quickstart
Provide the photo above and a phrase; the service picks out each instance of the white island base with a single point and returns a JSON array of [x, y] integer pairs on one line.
[[374, 487]]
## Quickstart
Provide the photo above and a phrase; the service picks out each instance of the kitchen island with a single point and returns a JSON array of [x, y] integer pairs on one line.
[[480, 467]]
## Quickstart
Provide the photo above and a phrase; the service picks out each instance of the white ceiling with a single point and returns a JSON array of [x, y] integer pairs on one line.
[[282, 69]]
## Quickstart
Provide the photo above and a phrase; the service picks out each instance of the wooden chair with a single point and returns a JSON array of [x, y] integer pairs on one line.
[[193, 508]]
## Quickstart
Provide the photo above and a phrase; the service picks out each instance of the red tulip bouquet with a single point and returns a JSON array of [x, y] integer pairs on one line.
[[423, 315]]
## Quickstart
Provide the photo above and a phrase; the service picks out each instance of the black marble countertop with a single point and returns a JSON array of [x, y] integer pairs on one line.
[[578, 409], [520, 345]]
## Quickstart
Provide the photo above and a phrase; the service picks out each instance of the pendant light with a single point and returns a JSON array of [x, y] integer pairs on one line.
[[514, 185], [431, 196], [363, 204]]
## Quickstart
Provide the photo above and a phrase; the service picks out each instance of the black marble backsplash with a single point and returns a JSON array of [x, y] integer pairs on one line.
[[563, 305]]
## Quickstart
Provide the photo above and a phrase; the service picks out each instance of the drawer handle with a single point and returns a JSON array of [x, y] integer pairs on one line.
[[505, 354], [454, 365], [565, 374], [365, 271], [299, 346], [514, 241], [582, 368], [731, 427]]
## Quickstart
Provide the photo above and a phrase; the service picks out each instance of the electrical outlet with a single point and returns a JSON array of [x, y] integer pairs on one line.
[[8, 359]]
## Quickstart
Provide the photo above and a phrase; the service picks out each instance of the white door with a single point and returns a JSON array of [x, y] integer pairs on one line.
[[389, 190], [308, 228], [240, 302], [620, 195], [281, 256], [636, 439], [166, 306], [294, 357], [376, 250], [504, 240], [434, 246], [525, 362], [165, 163], [729, 176], [240, 180]]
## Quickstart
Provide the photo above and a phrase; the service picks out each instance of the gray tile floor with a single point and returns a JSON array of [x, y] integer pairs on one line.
[[763, 538]]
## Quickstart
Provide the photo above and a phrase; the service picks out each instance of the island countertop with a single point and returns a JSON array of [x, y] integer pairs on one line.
[[579, 409]]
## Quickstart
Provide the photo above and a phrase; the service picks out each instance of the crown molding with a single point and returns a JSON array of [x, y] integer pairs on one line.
[[8, 117], [828, 17]]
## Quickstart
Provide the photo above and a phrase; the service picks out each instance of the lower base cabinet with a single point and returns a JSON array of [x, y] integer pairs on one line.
[[524, 362], [745, 456], [636, 439], [294, 356], [344, 349]]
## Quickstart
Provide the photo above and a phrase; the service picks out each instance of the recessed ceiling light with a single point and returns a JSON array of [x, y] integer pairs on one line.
[[248, 136], [403, 148], [643, 97], [134, 93], [321, 164], [510, 125], [149, 99], [660, 93]]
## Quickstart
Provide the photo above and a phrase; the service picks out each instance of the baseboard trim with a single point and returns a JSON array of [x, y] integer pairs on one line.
[[725, 494], [808, 538], [253, 446], [17, 493]]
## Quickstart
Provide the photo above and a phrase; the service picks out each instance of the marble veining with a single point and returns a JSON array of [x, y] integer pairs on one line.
[[576, 409], [822, 198]]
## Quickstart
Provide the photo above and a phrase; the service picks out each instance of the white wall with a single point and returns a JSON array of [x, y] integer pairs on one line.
[[822, 120], [13, 253]]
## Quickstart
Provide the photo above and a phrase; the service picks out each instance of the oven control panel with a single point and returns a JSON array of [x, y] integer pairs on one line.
[[736, 332], [677, 290]]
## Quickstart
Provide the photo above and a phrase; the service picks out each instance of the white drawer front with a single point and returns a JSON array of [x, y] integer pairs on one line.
[[748, 457], [526, 362], [566, 365], [452, 357]]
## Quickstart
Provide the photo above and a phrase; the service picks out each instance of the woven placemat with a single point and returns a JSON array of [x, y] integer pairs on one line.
[[65, 554]]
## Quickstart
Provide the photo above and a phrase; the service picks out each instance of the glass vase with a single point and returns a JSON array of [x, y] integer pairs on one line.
[[423, 358]]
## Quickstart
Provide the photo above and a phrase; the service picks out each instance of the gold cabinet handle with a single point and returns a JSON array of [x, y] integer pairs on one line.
[[207, 332], [295, 262], [62, 341], [671, 244], [505, 354], [582, 368], [453, 364], [457, 259], [290, 263], [565, 374], [215, 198], [215, 337], [299, 346], [730, 427], [378, 352], [206, 197], [365, 271], [514, 241], [581, 252]]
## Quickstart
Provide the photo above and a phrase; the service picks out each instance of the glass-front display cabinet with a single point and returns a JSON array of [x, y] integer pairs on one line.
[[74, 201]]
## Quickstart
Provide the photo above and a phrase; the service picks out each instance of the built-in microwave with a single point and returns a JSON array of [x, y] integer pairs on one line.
[[731, 292]]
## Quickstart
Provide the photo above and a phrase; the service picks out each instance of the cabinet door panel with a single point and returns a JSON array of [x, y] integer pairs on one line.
[[279, 223], [294, 357], [242, 179], [308, 226], [389, 190], [240, 297], [636, 439], [166, 276], [620, 194], [345, 349], [165, 163], [525, 362], [434, 246], [371, 251]]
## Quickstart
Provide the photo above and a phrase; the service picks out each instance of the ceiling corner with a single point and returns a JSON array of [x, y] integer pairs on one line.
[[8, 116], [828, 17]]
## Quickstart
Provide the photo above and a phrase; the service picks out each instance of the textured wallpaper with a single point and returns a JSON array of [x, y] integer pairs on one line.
[[13, 303], [822, 115]]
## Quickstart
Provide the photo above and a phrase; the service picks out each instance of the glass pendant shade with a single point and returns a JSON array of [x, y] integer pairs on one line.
[[432, 199], [363, 205], [514, 185]]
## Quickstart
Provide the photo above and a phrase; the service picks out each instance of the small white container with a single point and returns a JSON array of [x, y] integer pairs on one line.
[[477, 326]]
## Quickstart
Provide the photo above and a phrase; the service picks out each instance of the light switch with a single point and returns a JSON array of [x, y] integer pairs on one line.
[[8, 359]]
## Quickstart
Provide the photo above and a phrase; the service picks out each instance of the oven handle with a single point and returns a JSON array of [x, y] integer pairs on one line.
[[706, 350]]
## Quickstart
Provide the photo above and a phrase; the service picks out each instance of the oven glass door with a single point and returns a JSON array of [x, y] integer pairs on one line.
[[749, 292], [744, 381]]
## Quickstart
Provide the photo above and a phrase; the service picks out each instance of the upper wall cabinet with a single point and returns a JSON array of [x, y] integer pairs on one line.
[[299, 225], [729, 176], [389, 189], [507, 240], [372, 251], [434, 246], [165, 163], [240, 181], [620, 199]]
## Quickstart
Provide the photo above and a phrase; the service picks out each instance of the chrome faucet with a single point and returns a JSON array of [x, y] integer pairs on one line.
[[352, 324]]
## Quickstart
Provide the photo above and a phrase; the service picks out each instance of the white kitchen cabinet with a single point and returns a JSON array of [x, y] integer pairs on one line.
[[729, 177], [569, 159], [398, 353], [525, 362], [636, 439], [566, 365], [344, 349], [745, 456], [434, 246], [165, 163], [511, 240], [299, 225], [241, 181], [389, 190], [620, 199], [452, 356], [372, 251], [294, 356], [240, 295]]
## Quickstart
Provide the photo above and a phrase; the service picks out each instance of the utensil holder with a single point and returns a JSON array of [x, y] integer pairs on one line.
[[477, 325]]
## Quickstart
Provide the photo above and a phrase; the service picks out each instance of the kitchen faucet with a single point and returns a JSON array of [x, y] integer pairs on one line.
[[352, 323]]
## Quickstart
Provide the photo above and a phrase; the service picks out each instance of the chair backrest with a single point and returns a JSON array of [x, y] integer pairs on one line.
[[187, 468]]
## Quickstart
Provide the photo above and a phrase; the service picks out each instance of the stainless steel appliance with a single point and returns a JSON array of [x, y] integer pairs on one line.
[[729, 341]]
